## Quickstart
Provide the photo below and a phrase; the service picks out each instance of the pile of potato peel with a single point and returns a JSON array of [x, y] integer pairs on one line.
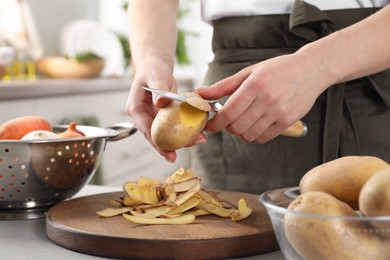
[[177, 200]]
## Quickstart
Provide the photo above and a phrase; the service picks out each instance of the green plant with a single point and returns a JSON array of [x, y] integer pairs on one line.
[[87, 55], [125, 47]]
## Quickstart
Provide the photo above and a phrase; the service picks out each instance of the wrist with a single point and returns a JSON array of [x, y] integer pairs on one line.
[[323, 62], [150, 63]]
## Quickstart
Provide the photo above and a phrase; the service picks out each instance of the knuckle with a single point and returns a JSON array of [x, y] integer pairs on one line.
[[286, 120], [260, 140], [248, 137], [229, 114], [130, 108], [235, 129]]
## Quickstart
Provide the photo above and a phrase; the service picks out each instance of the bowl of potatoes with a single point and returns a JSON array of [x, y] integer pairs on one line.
[[340, 210]]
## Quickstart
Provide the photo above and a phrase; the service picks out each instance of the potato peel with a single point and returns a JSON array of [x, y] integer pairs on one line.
[[243, 211], [177, 200], [112, 212]]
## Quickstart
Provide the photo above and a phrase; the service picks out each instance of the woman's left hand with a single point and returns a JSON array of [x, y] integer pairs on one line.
[[266, 98]]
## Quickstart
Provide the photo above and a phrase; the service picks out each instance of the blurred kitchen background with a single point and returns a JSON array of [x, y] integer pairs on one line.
[[93, 90]]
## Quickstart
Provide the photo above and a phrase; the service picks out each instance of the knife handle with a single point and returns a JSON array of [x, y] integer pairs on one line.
[[298, 129]]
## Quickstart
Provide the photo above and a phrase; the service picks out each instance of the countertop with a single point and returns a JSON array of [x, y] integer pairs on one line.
[[26, 239], [54, 87]]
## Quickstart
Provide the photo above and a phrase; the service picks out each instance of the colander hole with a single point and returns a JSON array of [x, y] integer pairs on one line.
[[12, 176], [86, 161], [67, 147], [23, 183], [56, 194], [11, 184], [23, 167], [75, 145], [70, 160], [48, 169], [83, 144], [11, 195], [46, 178], [59, 153], [6, 150], [76, 155], [52, 160], [1, 176], [82, 155], [3, 190], [77, 163], [91, 153], [18, 190], [89, 145], [1, 160], [10, 167], [26, 175]]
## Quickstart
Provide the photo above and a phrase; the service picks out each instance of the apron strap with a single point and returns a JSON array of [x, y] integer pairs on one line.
[[384, 96], [334, 112], [309, 22]]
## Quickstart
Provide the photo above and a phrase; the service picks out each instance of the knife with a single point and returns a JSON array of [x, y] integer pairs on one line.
[[298, 129], [215, 106]]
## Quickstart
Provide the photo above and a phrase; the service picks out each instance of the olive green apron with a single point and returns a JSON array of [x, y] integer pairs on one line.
[[352, 118]]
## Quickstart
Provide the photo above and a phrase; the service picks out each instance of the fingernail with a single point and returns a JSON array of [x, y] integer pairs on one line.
[[200, 141], [169, 160], [201, 88]]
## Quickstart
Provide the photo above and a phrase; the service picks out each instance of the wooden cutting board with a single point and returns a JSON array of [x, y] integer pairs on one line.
[[74, 224]]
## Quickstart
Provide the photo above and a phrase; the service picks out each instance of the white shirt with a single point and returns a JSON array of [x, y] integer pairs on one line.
[[215, 9]]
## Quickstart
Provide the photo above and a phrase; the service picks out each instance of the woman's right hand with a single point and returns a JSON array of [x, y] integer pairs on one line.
[[142, 106]]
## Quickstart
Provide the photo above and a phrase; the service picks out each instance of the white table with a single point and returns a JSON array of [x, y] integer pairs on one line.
[[26, 239]]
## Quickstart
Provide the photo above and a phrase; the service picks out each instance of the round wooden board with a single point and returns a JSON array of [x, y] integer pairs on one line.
[[74, 224]]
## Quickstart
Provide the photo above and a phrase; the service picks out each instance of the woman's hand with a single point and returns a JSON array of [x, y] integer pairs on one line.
[[142, 106], [266, 98]]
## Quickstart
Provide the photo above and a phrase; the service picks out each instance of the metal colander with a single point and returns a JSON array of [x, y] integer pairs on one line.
[[36, 174]]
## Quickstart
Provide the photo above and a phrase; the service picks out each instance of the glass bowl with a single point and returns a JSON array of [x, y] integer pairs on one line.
[[324, 236]]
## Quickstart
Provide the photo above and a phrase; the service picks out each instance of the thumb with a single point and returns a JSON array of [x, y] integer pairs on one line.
[[158, 100]]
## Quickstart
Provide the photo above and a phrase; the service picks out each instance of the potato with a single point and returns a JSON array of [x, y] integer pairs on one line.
[[374, 199], [343, 177], [177, 124], [386, 243], [329, 238]]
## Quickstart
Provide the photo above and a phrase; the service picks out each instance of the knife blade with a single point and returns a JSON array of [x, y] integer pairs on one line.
[[215, 106]]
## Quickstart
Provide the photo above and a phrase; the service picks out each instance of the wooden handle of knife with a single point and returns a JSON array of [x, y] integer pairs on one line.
[[298, 129]]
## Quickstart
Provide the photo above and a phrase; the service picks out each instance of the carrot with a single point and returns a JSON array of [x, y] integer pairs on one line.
[[71, 131], [18, 127]]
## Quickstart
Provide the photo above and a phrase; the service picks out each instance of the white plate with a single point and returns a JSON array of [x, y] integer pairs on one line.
[[66, 38], [7, 55], [79, 36]]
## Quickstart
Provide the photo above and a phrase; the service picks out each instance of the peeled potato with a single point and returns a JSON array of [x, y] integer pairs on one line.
[[343, 177], [177, 124]]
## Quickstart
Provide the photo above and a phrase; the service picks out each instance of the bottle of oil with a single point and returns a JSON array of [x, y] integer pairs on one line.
[[24, 67], [7, 54]]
